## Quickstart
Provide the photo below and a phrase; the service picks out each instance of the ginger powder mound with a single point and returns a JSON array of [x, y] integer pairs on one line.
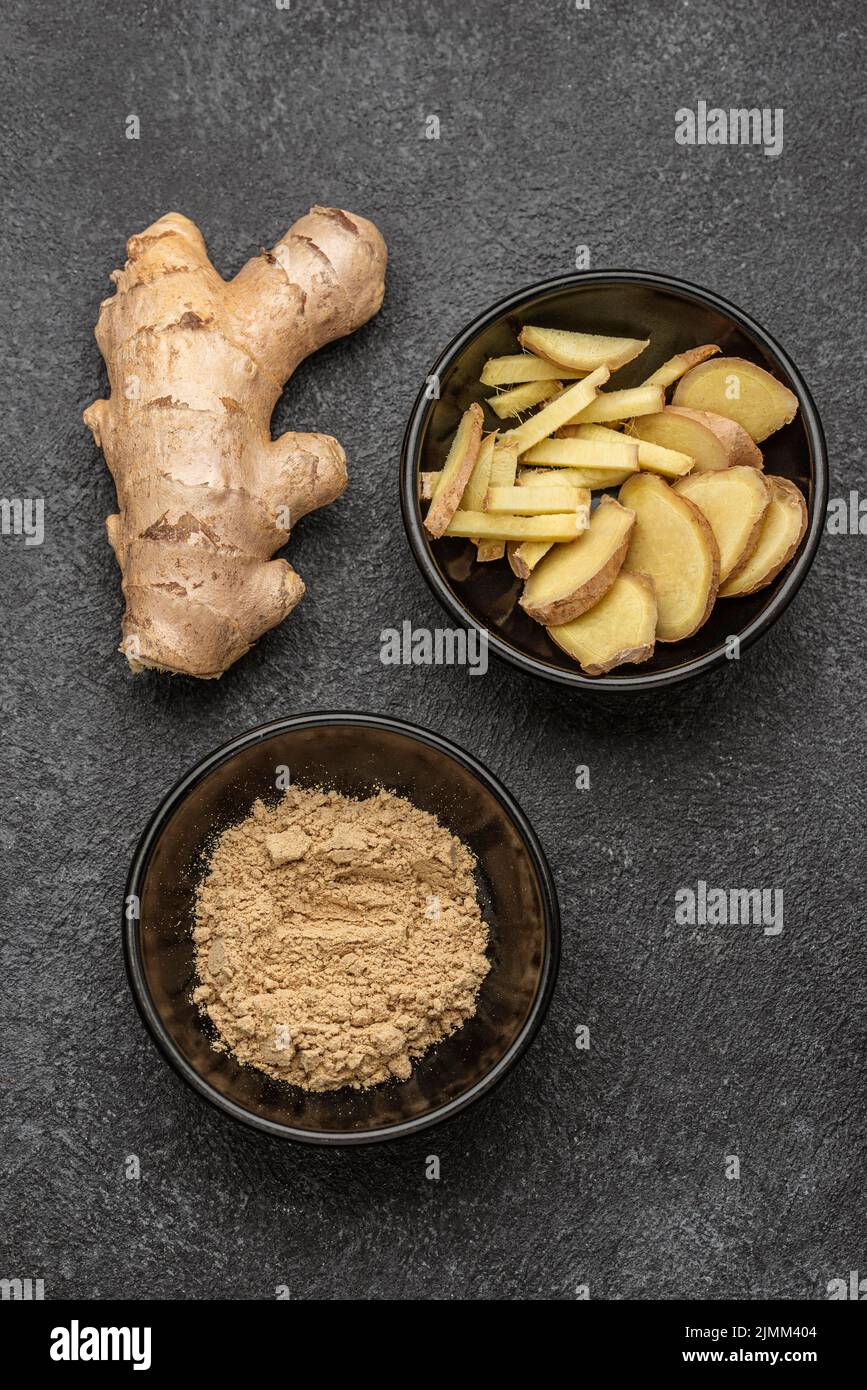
[[336, 940]]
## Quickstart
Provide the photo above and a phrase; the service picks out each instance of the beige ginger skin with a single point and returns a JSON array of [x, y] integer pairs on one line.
[[196, 366]]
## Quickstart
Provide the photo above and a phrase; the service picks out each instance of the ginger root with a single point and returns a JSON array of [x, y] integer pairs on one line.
[[196, 366]]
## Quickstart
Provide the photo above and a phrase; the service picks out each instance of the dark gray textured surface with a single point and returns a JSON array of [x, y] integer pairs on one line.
[[603, 1167]]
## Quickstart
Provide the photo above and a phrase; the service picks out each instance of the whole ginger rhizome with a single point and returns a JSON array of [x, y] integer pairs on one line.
[[336, 940]]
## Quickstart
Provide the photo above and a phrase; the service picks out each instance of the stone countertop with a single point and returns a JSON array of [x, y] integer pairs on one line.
[[603, 1168]]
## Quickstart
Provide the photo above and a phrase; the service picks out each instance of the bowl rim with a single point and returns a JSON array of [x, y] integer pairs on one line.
[[131, 929], [531, 665]]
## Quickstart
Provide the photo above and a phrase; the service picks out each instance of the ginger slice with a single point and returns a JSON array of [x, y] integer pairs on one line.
[[537, 501], [782, 532], [581, 351], [504, 467], [560, 526], [741, 391], [621, 405], [476, 489], [521, 398], [426, 484], [456, 471], [549, 477], [690, 434], [591, 478], [571, 578], [740, 448], [650, 457], [620, 628], [597, 478], [673, 545], [677, 366], [522, 366], [734, 502], [524, 556], [473, 499], [617, 452], [558, 412]]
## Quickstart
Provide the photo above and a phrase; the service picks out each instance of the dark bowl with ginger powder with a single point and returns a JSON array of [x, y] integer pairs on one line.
[[355, 755]]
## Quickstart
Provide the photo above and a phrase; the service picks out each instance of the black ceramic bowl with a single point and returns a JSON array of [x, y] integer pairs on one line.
[[675, 316], [353, 754]]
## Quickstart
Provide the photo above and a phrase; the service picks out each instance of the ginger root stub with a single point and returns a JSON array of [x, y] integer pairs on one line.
[[196, 366]]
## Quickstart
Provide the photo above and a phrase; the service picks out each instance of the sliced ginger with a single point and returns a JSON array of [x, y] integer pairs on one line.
[[617, 452], [667, 463], [677, 366], [620, 405], [523, 366], [650, 457], [597, 478], [549, 477], [571, 578], [504, 464], [476, 489], [523, 556], [581, 351], [520, 398], [591, 478], [559, 527], [456, 471], [536, 501], [741, 391], [558, 412], [740, 449], [475, 492], [620, 628], [504, 467], [674, 546], [695, 518], [711, 441], [782, 532], [734, 502]]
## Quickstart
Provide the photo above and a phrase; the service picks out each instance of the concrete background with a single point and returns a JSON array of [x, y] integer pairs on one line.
[[606, 1167]]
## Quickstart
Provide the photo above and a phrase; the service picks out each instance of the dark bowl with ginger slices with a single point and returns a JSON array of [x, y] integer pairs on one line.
[[676, 317], [356, 755]]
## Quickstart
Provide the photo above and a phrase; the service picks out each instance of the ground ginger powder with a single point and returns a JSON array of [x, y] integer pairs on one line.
[[336, 940]]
